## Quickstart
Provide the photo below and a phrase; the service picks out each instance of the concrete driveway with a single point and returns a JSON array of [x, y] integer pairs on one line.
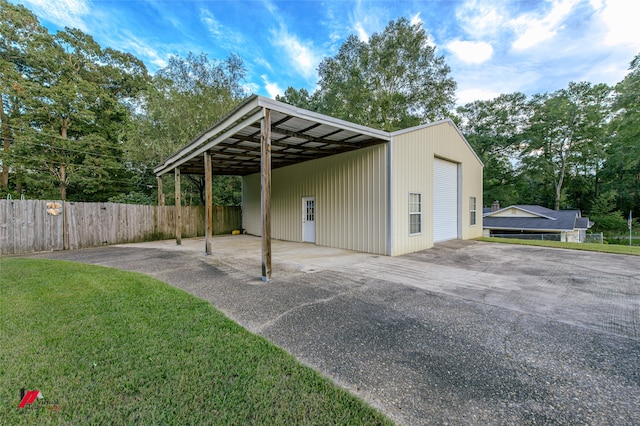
[[465, 333]]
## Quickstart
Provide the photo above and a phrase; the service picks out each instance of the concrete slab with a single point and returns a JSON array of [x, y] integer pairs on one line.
[[465, 333]]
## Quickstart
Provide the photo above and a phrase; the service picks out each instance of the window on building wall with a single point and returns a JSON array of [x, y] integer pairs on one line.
[[415, 213], [472, 211]]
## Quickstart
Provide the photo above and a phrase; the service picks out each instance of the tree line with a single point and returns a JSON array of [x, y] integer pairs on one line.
[[577, 147], [81, 122]]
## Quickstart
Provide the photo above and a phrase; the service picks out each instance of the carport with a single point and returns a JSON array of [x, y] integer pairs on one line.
[[259, 135]]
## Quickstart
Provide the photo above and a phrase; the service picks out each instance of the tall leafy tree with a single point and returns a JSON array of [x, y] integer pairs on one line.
[[22, 41], [185, 98], [492, 128], [393, 81], [300, 98], [72, 101], [565, 125], [77, 103], [622, 167]]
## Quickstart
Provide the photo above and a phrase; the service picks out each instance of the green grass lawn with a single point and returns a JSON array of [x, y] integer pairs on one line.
[[111, 347], [603, 248]]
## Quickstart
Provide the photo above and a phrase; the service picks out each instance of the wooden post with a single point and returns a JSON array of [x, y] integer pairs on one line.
[[208, 188], [160, 194], [178, 209], [265, 168], [65, 226]]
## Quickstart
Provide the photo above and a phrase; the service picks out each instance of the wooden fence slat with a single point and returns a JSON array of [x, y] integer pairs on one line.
[[27, 227]]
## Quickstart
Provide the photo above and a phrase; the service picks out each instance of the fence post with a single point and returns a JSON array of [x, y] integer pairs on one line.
[[65, 226], [160, 193]]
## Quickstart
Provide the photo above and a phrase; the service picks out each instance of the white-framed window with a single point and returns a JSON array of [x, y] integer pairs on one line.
[[472, 211], [415, 213]]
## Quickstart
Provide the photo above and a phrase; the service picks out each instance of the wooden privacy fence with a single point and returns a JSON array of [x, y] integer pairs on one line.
[[28, 226]]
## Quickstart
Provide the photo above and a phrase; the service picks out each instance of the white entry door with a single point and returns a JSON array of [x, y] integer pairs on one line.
[[309, 219]]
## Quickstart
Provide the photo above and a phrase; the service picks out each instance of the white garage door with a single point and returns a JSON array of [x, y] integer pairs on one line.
[[445, 200]]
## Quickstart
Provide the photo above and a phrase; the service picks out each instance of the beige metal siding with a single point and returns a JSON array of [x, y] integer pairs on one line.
[[351, 200], [412, 160]]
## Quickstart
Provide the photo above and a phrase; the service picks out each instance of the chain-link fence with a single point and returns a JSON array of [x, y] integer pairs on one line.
[[594, 238]]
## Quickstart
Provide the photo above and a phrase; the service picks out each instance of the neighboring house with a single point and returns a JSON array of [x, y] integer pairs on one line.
[[339, 184], [535, 221]]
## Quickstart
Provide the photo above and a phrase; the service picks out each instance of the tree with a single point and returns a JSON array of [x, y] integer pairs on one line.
[[64, 102], [565, 127], [22, 40], [300, 98], [393, 81], [196, 87], [622, 167], [77, 103], [492, 128]]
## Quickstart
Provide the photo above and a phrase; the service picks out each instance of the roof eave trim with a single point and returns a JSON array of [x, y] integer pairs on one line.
[[527, 229]]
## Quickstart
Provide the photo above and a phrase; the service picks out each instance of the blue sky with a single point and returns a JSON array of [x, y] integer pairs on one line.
[[492, 46]]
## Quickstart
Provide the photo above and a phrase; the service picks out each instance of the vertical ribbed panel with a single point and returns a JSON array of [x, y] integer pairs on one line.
[[412, 171], [445, 205], [351, 200]]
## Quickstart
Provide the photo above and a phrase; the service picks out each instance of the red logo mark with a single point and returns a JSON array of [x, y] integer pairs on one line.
[[29, 397]]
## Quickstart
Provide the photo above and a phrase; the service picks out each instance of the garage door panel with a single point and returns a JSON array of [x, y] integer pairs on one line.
[[445, 200]]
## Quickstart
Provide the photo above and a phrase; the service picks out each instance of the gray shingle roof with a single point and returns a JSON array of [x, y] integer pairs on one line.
[[583, 223], [550, 220]]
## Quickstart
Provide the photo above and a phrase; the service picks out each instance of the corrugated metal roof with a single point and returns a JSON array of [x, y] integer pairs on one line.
[[297, 135]]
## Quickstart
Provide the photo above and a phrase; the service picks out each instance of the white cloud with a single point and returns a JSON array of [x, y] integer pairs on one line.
[[480, 18], [211, 23], [621, 20], [262, 62], [416, 19], [469, 95], [272, 88], [302, 55], [362, 34], [251, 87], [368, 17], [533, 30], [64, 13], [473, 52], [139, 47], [227, 38]]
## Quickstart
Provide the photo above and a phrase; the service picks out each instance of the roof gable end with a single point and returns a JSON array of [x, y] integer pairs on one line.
[[448, 121], [528, 210]]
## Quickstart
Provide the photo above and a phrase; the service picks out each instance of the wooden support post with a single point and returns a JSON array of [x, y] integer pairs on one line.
[[65, 226], [160, 193], [265, 169], [178, 209], [208, 189]]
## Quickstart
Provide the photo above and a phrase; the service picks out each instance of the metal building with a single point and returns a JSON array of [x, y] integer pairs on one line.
[[312, 178]]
